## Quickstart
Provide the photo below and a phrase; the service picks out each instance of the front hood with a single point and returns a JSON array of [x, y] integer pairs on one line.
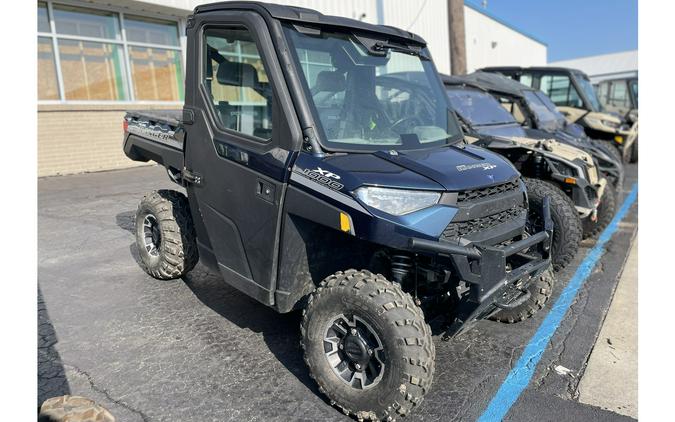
[[507, 130], [453, 168]]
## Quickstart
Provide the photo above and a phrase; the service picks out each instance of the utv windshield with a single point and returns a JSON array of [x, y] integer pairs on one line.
[[545, 112], [590, 93], [634, 88], [478, 108], [372, 98]]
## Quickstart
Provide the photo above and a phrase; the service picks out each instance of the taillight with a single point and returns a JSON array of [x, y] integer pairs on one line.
[[125, 126]]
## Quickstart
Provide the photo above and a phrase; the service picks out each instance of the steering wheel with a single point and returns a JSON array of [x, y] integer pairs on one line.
[[416, 121]]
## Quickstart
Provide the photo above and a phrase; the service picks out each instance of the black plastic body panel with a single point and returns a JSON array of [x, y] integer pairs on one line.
[[142, 149]]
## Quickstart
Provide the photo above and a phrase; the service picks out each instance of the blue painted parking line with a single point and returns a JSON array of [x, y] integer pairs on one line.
[[521, 374]]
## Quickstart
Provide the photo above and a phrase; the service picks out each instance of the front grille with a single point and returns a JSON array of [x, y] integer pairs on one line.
[[465, 228], [476, 194]]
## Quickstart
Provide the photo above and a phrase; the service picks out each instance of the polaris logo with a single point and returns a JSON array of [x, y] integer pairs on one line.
[[484, 166]]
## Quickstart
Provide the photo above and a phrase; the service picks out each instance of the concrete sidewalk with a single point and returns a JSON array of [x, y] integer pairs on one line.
[[610, 379]]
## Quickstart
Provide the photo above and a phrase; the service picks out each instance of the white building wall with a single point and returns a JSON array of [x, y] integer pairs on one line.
[[426, 18], [491, 43]]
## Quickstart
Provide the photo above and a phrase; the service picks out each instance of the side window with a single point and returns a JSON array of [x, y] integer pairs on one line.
[[560, 90], [619, 94], [235, 78], [603, 91], [526, 79]]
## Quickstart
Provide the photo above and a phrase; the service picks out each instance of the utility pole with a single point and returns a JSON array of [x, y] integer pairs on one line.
[[457, 37]]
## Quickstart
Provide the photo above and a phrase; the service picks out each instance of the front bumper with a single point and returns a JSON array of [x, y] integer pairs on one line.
[[484, 269]]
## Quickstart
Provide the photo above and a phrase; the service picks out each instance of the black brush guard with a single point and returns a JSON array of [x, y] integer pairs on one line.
[[492, 278]]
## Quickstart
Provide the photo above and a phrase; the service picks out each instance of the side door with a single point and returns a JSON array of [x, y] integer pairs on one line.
[[239, 147], [603, 94], [619, 97]]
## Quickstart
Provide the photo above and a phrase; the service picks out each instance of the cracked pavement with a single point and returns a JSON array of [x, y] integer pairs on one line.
[[198, 350]]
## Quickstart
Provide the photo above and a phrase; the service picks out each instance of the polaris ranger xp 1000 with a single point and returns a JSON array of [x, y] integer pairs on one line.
[[318, 180]]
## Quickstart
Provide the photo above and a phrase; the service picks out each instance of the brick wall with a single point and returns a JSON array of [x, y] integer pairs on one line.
[[82, 138]]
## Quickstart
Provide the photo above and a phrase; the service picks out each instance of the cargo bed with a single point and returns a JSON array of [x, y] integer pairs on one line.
[[155, 135]]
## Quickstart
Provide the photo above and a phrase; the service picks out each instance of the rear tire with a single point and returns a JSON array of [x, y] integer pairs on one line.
[[606, 211], [567, 229], [540, 291], [611, 147], [405, 357], [165, 235]]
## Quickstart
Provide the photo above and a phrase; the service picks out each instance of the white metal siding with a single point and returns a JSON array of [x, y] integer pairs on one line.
[[491, 43], [426, 18]]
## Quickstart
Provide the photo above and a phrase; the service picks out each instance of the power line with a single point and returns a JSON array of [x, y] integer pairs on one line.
[[418, 16]]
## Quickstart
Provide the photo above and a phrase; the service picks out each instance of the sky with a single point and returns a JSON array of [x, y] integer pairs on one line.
[[572, 28]]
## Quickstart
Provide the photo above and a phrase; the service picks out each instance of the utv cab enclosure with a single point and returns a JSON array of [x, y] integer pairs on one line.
[[571, 90], [318, 178], [620, 96]]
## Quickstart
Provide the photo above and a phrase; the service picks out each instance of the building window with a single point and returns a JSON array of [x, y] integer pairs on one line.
[[156, 73], [48, 87], [87, 54], [150, 31], [92, 70]]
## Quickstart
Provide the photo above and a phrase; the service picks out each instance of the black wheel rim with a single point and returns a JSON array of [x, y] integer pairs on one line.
[[152, 237], [354, 351]]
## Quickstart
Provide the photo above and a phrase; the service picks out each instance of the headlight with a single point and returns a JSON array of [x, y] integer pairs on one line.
[[396, 201], [633, 115], [563, 169]]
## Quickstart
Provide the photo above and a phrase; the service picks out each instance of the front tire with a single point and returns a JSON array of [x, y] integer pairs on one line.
[[367, 345], [540, 291], [567, 229], [165, 235]]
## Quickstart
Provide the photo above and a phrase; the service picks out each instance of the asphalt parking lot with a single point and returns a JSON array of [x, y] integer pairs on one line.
[[197, 350]]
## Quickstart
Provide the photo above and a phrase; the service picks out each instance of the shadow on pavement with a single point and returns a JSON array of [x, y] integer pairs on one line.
[[281, 332], [126, 220], [52, 381]]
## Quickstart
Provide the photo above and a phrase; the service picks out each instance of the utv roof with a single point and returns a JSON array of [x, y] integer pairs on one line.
[[532, 68], [491, 82], [301, 15]]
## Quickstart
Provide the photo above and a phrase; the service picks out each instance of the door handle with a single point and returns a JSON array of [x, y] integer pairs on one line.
[[265, 190]]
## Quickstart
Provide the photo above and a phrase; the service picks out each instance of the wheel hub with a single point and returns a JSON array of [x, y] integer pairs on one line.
[[354, 351], [152, 237]]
